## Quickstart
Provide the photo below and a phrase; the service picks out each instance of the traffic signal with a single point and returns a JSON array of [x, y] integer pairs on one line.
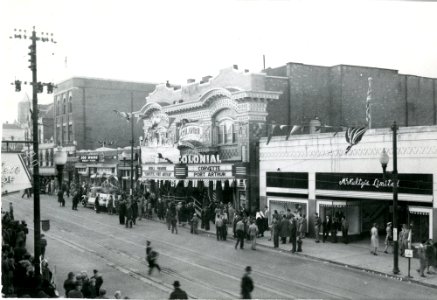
[[49, 88], [39, 87], [17, 85], [32, 57]]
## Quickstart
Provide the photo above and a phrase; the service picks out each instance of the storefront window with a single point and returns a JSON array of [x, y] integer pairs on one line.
[[336, 210], [297, 207]]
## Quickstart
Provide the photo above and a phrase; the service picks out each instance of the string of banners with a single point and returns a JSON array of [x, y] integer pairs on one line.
[[353, 135], [195, 183]]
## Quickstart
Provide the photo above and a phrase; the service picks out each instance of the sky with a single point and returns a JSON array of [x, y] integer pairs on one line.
[[156, 41]]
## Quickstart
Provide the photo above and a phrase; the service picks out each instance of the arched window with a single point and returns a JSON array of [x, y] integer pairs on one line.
[[226, 133]]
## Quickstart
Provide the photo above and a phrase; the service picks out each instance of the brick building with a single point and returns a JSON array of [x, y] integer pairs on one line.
[[337, 96], [84, 111]]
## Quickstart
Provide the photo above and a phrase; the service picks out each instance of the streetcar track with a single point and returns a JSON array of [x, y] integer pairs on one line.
[[259, 286]]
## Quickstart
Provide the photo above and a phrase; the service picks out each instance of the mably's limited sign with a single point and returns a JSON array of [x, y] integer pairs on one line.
[[375, 182]]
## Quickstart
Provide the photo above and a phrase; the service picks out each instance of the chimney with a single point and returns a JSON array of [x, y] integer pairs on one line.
[[206, 79], [246, 70], [190, 80], [235, 67]]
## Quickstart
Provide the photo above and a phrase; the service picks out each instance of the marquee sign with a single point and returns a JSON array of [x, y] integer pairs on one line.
[[157, 171], [375, 182], [15, 176], [222, 171], [200, 159]]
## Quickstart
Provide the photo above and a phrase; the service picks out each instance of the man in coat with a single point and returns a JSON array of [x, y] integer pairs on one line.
[[284, 229], [293, 233], [317, 224], [326, 228], [178, 293], [247, 284]]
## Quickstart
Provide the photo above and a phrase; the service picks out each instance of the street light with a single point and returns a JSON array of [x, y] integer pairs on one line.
[[60, 158], [124, 155], [384, 159]]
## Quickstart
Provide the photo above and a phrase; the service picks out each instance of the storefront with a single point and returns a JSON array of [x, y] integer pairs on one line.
[[312, 173], [96, 166]]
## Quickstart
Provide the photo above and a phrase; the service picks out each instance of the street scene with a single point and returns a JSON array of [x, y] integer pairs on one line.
[[219, 149]]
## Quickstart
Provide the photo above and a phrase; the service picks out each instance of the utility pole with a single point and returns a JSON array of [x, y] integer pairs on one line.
[[394, 128], [37, 87], [132, 144]]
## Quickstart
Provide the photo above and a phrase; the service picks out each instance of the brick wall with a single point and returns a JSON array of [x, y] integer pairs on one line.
[[93, 103]]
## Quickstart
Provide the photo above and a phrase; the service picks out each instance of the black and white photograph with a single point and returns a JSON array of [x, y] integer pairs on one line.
[[235, 149]]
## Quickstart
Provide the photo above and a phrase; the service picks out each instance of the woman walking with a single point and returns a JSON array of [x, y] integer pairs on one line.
[[374, 240]]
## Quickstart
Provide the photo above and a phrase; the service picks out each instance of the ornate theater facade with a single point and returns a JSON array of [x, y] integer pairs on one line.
[[200, 140]]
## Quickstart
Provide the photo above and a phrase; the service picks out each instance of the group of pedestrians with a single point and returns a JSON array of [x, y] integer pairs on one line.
[[18, 273], [82, 286]]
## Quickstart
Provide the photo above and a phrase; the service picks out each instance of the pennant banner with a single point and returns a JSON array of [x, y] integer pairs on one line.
[[354, 136]]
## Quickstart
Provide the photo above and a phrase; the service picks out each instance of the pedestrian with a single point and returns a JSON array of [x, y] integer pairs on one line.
[[293, 233], [194, 224], [374, 240], [122, 211], [134, 211], [284, 229], [302, 226], [422, 259], [430, 256], [168, 218], [317, 224], [240, 234], [344, 230], [401, 239], [69, 283], [253, 232], [76, 292], [117, 295], [43, 245], [129, 214], [61, 198], [275, 233], [151, 257], [388, 236], [99, 280], [219, 227], [178, 293], [334, 229], [110, 205], [97, 204], [326, 228], [26, 192], [247, 284], [173, 221]]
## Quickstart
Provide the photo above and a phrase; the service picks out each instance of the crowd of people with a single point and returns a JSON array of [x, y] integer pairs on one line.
[[18, 273], [82, 286]]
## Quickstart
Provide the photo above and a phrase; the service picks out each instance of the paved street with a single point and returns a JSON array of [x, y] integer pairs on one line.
[[83, 240]]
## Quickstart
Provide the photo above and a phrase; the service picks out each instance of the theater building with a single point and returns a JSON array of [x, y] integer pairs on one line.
[[200, 139], [311, 173]]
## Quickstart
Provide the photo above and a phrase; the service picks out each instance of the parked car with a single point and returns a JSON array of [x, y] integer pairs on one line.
[[104, 194]]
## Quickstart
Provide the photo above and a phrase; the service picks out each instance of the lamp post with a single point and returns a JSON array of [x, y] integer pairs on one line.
[[60, 159], [384, 159], [124, 155]]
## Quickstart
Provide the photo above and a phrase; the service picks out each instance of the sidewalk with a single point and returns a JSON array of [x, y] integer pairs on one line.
[[354, 255]]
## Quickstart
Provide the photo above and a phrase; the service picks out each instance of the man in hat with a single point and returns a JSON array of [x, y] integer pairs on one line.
[[178, 293], [152, 257], [194, 223], [388, 236], [43, 245], [99, 280], [246, 284]]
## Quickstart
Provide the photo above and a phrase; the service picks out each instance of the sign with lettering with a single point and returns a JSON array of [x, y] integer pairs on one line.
[[375, 182], [222, 171], [191, 132], [89, 158], [15, 176], [157, 171], [200, 159], [409, 253]]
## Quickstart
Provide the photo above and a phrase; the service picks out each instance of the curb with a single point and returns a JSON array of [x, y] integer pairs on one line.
[[370, 271]]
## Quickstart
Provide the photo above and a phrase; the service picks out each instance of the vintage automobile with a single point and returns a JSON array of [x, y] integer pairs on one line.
[[104, 194]]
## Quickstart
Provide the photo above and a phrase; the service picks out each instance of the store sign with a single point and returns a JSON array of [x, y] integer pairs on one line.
[[375, 182], [15, 176], [154, 171], [210, 171], [191, 132], [200, 159], [89, 158]]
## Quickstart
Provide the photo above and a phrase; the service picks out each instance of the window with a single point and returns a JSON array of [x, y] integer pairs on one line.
[[70, 132], [64, 106], [64, 134], [226, 132], [70, 104], [58, 135], [57, 104]]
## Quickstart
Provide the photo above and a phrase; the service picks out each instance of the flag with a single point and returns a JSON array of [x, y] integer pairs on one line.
[[270, 133], [293, 130], [126, 116], [353, 136], [369, 101]]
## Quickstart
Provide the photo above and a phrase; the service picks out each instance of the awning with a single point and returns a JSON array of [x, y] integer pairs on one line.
[[417, 210]]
